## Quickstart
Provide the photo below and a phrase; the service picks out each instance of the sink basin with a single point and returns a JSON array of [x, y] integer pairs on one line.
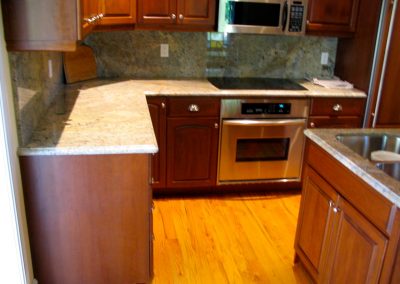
[[392, 169], [365, 144]]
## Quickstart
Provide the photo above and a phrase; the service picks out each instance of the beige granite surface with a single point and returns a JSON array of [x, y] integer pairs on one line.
[[362, 167], [111, 117]]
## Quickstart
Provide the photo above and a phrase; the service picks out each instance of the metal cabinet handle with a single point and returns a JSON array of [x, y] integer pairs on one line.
[[194, 108], [312, 124], [152, 180], [337, 107], [163, 105], [216, 125], [336, 209], [331, 204], [173, 16], [93, 19], [181, 17]]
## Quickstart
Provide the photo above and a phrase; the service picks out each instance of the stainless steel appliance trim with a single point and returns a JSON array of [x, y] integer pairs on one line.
[[264, 122]]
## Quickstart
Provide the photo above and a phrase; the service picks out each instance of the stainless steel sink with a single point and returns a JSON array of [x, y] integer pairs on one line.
[[365, 144], [392, 169]]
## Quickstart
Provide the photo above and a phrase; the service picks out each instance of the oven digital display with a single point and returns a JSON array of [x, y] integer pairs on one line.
[[268, 149], [266, 108]]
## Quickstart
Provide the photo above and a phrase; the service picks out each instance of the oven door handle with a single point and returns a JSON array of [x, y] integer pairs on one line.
[[264, 122]]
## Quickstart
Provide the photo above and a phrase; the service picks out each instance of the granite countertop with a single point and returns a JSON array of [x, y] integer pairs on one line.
[[362, 167], [111, 116]]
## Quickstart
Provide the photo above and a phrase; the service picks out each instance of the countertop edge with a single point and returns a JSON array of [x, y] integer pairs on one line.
[[354, 168]]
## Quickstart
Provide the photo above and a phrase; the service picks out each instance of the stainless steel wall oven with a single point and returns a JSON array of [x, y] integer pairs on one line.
[[261, 140]]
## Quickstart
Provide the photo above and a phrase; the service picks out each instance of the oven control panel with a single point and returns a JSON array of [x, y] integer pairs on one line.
[[266, 108]]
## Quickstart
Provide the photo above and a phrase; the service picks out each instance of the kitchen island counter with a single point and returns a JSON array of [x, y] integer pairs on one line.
[[362, 167], [111, 116]]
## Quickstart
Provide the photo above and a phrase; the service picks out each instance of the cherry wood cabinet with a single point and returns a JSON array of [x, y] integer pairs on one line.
[[89, 217], [332, 17], [336, 113], [346, 232], [187, 130], [192, 152], [157, 108], [118, 12], [177, 14]]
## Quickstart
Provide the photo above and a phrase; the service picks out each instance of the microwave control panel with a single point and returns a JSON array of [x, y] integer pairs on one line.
[[266, 108], [296, 15]]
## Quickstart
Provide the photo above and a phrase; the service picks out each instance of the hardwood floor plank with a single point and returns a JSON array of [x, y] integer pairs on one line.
[[227, 239]]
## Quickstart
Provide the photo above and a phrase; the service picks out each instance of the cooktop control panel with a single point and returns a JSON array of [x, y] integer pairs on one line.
[[266, 108]]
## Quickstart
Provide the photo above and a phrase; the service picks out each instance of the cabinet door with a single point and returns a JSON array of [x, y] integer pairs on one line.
[[118, 12], [157, 108], [332, 17], [157, 11], [357, 250], [388, 112], [196, 12], [192, 152], [89, 9], [314, 220]]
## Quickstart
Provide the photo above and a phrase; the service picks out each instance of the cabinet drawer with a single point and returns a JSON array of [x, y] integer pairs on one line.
[[334, 122], [337, 106], [193, 107]]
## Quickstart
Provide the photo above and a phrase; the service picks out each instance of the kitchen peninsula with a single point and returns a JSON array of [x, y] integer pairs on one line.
[[86, 177]]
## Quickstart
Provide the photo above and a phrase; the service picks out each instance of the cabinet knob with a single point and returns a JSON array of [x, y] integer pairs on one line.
[[337, 107], [194, 108], [181, 17], [163, 105], [216, 125], [312, 124], [173, 16], [336, 209]]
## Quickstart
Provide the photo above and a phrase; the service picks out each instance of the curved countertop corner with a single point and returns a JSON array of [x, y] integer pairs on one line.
[[112, 117], [362, 167]]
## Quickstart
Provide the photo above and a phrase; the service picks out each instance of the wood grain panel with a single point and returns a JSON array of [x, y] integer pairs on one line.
[[334, 122], [156, 11], [388, 113], [118, 12], [360, 48], [197, 12], [358, 251], [192, 152], [350, 106], [179, 107], [332, 17], [315, 211], [369, 202], [88, 218], [157, 108]]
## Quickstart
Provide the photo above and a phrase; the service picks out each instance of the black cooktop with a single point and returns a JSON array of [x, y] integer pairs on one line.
[[225, 83]]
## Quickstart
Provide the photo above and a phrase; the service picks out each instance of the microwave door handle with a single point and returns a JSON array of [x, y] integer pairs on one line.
[[264, 122], [284, 15]]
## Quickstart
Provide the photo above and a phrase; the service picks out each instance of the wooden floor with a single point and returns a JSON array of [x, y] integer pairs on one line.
[[240, 239]]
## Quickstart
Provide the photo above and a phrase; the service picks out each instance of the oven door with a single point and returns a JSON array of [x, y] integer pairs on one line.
[[261, 149]]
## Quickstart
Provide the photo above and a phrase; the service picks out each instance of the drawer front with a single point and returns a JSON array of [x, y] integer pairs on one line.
[[193, 107], [337, 106], [334, 122]]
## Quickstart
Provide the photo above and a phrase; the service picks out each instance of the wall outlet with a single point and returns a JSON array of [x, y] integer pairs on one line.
[[164, 50], [50, 63], [324, 58]]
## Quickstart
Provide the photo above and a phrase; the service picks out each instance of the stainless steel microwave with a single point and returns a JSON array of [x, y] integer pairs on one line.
[[263, 16]]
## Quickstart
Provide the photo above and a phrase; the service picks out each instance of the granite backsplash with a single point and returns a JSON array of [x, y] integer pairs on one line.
[[33, 90], [136, 54], [198, 55]]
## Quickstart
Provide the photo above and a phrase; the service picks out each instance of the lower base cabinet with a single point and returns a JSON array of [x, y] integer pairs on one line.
[[89, 218], [335, 241]]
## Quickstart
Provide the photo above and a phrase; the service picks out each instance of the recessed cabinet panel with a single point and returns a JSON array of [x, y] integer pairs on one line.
[[118, 12], [196, 12], [332, 17]]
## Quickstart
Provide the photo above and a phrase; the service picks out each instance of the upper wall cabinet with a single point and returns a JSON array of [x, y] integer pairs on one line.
[[42, 24], [177, 14], [332, 17], [118, 12]]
